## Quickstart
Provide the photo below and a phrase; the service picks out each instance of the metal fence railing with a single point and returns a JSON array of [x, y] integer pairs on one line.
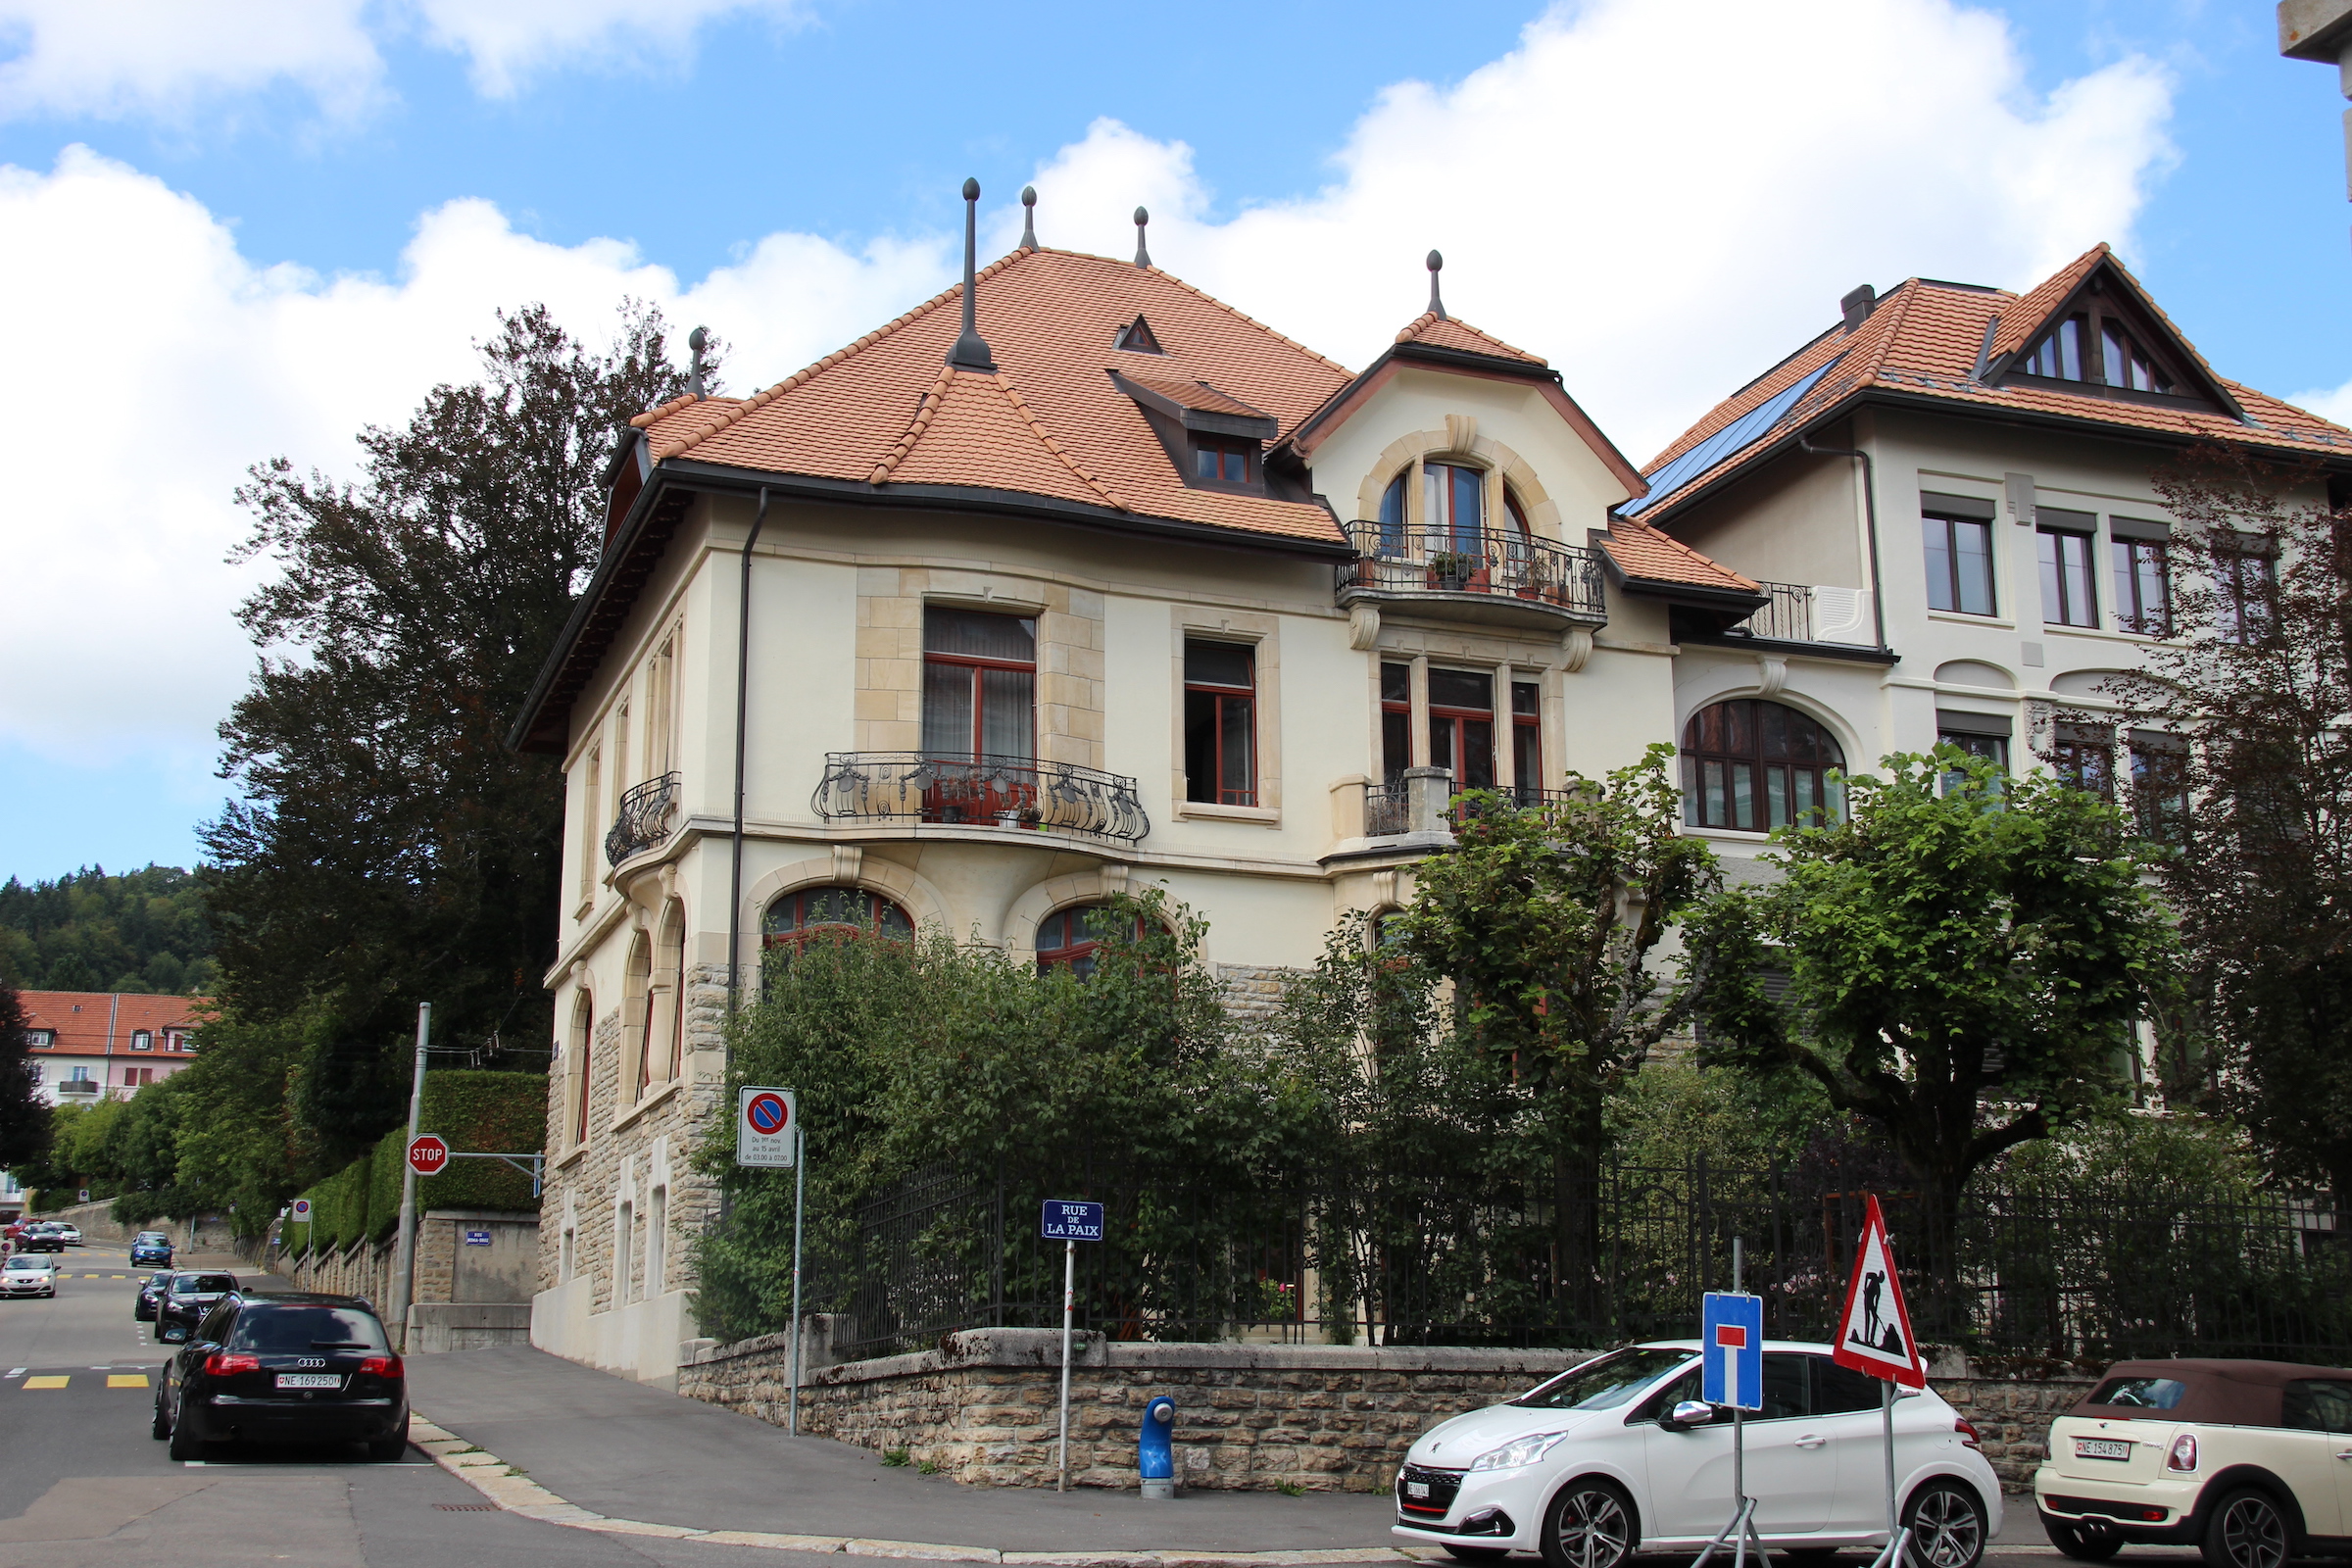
[[1594, 1257]]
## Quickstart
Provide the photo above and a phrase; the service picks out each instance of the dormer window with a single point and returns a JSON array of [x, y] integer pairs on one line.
[[2104, 345], [1225, 460], [1136, 338]]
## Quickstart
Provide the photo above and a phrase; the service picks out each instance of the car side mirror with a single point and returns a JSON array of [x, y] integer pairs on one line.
[[1689, 1413]]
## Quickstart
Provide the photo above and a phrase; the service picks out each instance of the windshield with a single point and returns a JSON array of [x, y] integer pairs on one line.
[[294, 1329], [201, 1284], [38, 1265], [1605, 1381]]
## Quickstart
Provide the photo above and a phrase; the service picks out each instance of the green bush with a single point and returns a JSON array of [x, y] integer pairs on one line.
[[490, 1112]]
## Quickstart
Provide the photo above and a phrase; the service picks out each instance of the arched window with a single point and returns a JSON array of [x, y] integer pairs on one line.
[[582, 1045], [665, 1009], [637, 1001], [1758, 766], [1071, 936], [1392, 517], [796, 916]]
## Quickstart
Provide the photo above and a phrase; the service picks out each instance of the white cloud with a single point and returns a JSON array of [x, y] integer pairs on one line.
[[162, 362], [1663, 201], [166, 58]]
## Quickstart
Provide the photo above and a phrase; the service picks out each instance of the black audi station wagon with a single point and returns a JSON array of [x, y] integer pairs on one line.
[[291, 1368]]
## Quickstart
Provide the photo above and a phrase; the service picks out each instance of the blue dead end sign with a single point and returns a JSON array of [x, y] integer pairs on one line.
[[1069, 1219], [1731, 1347]]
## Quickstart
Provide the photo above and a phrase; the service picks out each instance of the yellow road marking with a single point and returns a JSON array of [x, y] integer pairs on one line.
[[44, 1382], [126, 1379]]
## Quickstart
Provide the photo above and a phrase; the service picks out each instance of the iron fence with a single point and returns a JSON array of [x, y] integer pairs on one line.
[[1018, 794], [1591, 1257], [1397, 560], [643, 820]]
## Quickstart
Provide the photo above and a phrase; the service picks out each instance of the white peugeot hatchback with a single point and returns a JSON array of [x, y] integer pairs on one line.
[[1616, 1456]]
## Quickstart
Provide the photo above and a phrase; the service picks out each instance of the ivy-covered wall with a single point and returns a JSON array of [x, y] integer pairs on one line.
[[486, 1112]]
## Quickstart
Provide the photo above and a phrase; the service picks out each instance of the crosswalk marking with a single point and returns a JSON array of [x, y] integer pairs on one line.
[[46, 1383], [122, 1380]]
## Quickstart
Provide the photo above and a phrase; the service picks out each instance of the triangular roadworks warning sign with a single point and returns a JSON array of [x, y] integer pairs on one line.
[[1874, 1335]]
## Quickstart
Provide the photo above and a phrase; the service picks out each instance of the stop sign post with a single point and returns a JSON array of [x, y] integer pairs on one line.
[[428, 1154]]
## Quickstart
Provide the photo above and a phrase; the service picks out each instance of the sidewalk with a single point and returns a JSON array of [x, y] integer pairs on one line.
[[629, 1453]]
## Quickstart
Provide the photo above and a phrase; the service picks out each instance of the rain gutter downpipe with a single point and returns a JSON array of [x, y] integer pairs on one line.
[[743, 672], [1870, 510]]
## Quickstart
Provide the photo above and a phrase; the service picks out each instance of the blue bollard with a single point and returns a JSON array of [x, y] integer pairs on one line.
[[1155, 1454]]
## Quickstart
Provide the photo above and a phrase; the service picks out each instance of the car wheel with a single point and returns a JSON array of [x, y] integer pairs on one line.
[[159, 1429], [185, 1445], [1589, 1524], [2083, 1542], [1475, 1553], [1946, 1521], [2247, 1531]]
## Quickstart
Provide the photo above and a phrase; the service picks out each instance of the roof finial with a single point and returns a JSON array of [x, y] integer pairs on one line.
[[694, 369], [1437, 305], [1143, 257], [969, 352], [1028, 217]]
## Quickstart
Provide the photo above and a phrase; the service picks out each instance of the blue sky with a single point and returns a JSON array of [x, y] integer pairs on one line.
[[277, 229]]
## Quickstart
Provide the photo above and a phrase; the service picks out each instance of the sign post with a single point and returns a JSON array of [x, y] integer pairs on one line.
[[1874, 1337], [404, 1275], [1730, 1351], [769, 1137], [1068, 1221]]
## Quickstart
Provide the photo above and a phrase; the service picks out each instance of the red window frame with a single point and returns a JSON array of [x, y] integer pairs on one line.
[[1527, 740], [1452, 721], [876, 917], [1073, 943], [1737, 775], [1396, 722], [1223, 462], [976, 664], [1220, 698], [587, 1049]]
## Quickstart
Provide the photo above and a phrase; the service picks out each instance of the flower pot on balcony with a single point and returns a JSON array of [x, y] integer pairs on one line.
[[1452, 573]]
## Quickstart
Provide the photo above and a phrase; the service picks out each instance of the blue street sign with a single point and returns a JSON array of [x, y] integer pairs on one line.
[[478, 1237], [1731, 1347], [1070, 1220]]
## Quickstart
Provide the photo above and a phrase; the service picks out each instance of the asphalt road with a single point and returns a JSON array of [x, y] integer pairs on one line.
[[82, 1483]]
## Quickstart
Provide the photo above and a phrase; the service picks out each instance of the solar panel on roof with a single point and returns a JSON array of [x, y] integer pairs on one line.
[[1734, 438]]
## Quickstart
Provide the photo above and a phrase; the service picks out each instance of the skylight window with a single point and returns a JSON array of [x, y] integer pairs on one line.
[[1734, 438]]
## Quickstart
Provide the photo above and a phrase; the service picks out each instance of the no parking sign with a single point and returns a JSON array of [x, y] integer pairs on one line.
[[767, 1127]]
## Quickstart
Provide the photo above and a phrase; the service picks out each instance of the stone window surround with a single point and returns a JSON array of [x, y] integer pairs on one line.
[[1505, 659], [1460, 443], [1029, 911], [845, 864], [1763, 680], [1263, 634]]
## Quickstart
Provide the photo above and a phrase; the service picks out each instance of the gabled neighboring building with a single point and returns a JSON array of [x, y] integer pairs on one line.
[[89, 1045], [1068, 581], [1947, 497]]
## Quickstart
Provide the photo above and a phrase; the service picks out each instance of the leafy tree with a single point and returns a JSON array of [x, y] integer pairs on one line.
[[2259, 677], [389, 848], [1965, 956], [24, 1119], [139, 931], [1545, 921]]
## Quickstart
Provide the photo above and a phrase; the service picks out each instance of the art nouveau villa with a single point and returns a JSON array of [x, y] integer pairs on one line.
[[1074, 579]]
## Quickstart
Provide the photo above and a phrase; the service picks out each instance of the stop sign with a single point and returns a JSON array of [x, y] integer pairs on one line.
[[428, 1154]]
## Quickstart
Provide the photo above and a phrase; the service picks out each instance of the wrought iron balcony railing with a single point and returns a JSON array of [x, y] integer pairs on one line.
[[1016, 792], [1402, 562], [1389, 810], [644, 819], [1801, 613]]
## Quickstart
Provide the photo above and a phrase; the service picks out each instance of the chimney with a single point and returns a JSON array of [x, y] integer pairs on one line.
[[1857, 306]]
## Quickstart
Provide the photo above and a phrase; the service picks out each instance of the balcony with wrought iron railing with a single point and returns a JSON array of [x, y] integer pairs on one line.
[[1429, 800], [1497, 578], [645, 818], [1797, 613], [1014, 793]]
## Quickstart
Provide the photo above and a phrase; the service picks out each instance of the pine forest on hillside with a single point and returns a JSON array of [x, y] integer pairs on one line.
[[96, 930]]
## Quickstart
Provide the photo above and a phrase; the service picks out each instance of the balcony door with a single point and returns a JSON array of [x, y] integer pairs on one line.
[[979, 717]]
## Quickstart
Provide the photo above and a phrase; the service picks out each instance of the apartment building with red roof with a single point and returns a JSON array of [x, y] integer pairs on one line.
[[89, 1045], [1068, 581], [1947, 496]]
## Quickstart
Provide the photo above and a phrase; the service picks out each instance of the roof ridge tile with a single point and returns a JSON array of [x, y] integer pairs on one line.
[[1429, 323]]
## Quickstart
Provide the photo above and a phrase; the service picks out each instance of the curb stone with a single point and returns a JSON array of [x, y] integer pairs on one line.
[[515, 1492]]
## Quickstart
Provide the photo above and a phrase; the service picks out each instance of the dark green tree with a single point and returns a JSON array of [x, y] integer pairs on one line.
[[388, 847], [1965, 956], [23, 1118], [2257, 808], [91, 930]]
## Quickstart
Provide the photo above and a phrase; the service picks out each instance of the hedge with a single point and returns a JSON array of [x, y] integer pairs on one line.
[[493, 1112]]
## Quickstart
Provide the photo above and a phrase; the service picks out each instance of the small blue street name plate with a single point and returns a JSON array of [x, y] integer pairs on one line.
[[1070, 1220]]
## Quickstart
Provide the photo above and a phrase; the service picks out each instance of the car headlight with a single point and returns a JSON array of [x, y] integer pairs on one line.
[[1522, 1451]]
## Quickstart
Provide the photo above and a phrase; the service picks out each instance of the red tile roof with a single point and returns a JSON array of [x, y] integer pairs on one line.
[[81, 1018], [1049, 421], [1444, 332], [1645, 553], [1924, 340]]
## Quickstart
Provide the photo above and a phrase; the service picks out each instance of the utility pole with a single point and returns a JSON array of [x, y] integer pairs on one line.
[[403, 1269]]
